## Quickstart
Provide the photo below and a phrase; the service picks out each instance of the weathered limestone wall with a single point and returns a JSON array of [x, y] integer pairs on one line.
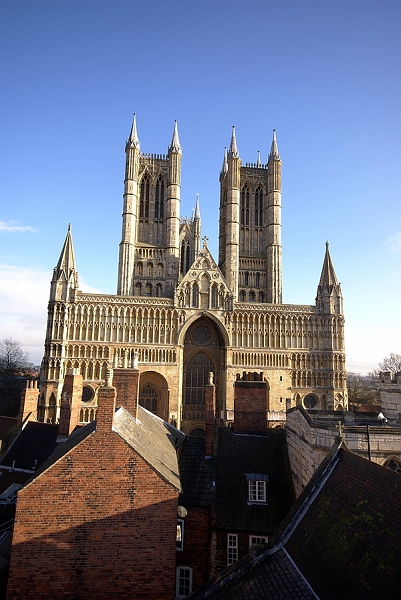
[[310, 439]]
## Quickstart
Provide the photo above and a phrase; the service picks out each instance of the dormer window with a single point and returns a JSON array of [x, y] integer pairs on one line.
[[257, 488]]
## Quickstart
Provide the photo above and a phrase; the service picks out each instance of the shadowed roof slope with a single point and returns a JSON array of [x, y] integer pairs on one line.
[[340, 540]]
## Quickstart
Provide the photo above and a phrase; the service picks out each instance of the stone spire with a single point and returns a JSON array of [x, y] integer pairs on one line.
[[65, 276], [328, 277], [233, 151], [274, 154], [258, 161], [175, 145], [133, 140], [329, 296], [66, 263]]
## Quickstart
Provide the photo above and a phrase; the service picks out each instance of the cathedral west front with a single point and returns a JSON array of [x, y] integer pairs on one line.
[[180, 314]]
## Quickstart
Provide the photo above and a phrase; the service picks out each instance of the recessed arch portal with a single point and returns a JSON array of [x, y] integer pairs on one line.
[[204, 352]]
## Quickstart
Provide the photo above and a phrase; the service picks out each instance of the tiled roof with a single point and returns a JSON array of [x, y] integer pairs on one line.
[[269, 576], [32, 446], [196, 474], [239, 454]]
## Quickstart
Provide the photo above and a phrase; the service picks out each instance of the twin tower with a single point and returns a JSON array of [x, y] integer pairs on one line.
[[158, 247]]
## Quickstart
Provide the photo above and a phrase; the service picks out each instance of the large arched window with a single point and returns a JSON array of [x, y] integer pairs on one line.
[[196, 377], [144, 199], [259, 207], [245, 205], [148, 398], [159, 199]]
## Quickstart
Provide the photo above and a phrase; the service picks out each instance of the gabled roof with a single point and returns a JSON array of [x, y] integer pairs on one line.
[[204, 264], [340, 540], [239, 456], [153, 439]]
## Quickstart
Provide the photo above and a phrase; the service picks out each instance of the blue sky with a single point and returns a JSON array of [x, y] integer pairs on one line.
[[325, 74]]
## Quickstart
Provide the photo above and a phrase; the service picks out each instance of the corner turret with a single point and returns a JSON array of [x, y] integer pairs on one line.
[[65, 277], [329, 297]]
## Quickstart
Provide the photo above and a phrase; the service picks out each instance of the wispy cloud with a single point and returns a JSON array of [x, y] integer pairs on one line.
[[13, 227], [24, 294], [394, 242]]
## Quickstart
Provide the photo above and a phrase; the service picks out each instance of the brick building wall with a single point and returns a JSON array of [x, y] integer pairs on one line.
[[196, 546], [99, 523]]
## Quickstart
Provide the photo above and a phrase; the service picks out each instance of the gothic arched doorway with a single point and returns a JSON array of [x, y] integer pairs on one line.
[[204, 352]]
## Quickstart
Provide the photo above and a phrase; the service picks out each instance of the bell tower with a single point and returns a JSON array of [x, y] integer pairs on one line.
[[250, 226]]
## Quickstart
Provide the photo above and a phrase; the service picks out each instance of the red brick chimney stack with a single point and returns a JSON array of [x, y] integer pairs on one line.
[[250, 403], [71, 398], [126, 382], [106, 404], [29, 401], [210, 410]]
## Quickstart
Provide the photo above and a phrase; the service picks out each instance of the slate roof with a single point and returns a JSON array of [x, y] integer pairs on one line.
[[239, 454], [272, 576], [342, 537], [32, 446], [196, 474], [153, 439]]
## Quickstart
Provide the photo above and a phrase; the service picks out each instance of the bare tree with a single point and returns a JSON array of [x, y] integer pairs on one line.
[[362, 389], [391, 363], [14, 369]]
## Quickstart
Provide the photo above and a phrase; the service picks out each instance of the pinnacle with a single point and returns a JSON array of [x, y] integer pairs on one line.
[[274, 154], [175, 145], [233, 151], [133, 140]]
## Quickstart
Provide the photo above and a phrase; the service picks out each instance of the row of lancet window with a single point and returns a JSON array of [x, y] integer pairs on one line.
[[148, 290], [252, 296], [149, 269], [144, 198], [245, 207]]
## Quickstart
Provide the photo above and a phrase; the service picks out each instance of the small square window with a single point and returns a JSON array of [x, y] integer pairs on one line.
[[232, 548], [257, 539], [257, 491]]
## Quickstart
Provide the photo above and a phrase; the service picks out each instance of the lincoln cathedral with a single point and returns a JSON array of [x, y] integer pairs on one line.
[[185, 318]]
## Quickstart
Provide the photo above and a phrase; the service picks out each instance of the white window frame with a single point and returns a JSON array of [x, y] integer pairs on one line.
[[258, 539], [180, 534], [257, 491], [232, 548], [179, 592]]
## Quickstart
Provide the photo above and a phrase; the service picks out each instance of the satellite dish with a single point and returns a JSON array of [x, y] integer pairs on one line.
[[182, 512]]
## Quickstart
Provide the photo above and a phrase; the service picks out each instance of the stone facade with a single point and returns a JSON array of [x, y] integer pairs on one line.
[[311, 437], [184, 315], [390, 396]]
